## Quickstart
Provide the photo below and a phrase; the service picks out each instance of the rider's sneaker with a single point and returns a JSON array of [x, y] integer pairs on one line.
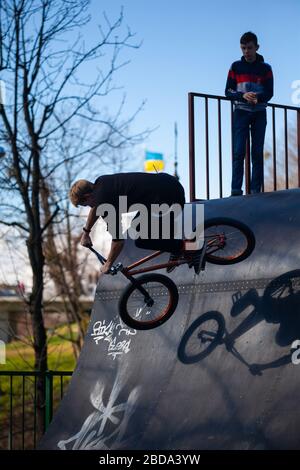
[[173, 257], [196, 261]]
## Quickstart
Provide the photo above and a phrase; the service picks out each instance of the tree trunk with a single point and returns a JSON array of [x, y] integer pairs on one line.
[[63, 269], [39, 332]]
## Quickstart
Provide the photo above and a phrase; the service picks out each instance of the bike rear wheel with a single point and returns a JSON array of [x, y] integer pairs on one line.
[[229, 241], [140, 313]]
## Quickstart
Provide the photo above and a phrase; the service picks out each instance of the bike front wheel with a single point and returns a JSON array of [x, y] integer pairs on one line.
[[229, 241], [142, 313], [202, 337]]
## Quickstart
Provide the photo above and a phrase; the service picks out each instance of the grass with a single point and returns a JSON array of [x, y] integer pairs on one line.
[[16, 414], [20, 355]]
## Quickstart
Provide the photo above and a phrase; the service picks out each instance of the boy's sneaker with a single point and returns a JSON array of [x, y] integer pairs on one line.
[[236, 192]]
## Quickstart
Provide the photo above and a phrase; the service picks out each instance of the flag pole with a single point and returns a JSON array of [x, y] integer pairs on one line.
[[175, 151]]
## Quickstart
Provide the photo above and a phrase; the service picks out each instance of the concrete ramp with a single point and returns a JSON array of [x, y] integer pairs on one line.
[[160, 389]]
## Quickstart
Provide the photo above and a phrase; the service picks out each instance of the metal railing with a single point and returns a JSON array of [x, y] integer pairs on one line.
[[218, 135], [19, 408]]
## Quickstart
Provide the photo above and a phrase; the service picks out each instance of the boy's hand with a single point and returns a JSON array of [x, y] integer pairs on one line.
[[251, 97], [86, 240]]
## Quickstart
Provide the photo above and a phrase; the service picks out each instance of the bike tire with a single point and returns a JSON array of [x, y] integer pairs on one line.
[[125, 309], [240, 228], [188, 357]]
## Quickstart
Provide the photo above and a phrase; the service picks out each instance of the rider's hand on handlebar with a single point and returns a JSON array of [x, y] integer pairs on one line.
[[106, 268], [86, 240]]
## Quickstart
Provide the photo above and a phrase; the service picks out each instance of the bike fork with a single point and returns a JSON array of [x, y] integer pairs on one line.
[[139, 287]]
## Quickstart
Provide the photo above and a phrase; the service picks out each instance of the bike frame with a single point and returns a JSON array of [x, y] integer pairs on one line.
[[126, 270], [130, 270]]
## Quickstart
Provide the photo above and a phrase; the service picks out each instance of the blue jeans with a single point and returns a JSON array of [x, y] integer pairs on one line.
[[242, 121]]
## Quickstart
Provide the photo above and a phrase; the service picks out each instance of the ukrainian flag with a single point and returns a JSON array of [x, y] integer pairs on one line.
[[154, 161]]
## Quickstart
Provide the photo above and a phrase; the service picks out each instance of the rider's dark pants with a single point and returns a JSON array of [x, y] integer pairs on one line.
[[170, 245], [172, 193]]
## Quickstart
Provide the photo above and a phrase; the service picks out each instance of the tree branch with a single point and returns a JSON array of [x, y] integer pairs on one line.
[[51, 219], [14, 224]]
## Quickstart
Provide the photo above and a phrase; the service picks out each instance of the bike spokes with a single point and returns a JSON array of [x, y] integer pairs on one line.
[[202, 337], [149, 309], [225, 242], [148, 302], [206, 336]]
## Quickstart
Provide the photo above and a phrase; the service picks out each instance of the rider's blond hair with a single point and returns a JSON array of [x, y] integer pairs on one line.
[[78, 190]]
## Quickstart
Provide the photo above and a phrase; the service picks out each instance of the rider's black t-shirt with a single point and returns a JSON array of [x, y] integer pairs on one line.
[[140, 188]]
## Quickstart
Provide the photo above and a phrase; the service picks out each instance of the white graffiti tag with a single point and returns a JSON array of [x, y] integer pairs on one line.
[[112, 333], [105, 427], [102, 331]]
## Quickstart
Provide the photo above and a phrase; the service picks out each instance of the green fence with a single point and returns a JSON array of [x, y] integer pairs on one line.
[[20, 418]]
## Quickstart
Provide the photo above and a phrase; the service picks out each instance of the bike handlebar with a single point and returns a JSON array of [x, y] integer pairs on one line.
[[99, 256], [114, 269]]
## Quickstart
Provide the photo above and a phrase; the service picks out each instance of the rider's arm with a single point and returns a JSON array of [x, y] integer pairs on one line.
[[115, 250], [92, 218]]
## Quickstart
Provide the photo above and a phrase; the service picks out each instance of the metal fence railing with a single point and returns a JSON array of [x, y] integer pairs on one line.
[[211, 170], [19, 428]]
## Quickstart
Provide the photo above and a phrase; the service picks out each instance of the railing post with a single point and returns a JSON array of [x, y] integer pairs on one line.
[[274, 149], [286, 150], [220, 149], [207, 148], [192, 146], [298, 144], [10, 442], [49, 398], [247, 166]]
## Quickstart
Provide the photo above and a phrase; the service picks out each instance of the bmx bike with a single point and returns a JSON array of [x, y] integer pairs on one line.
[[150, 300]]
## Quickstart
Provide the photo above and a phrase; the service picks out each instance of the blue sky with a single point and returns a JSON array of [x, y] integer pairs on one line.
[[189, 46]]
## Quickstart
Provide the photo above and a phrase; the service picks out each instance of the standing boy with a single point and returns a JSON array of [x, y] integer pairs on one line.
[[250, 86]]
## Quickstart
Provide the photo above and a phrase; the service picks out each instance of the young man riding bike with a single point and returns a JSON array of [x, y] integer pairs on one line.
[[139, 189]]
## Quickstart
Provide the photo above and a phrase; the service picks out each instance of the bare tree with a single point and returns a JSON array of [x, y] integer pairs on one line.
[[42, 66], [67, 265]]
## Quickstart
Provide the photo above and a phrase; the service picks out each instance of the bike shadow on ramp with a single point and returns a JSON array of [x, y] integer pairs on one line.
[[279, 304]]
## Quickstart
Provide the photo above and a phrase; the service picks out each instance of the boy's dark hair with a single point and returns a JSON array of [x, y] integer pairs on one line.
[[248, 37]]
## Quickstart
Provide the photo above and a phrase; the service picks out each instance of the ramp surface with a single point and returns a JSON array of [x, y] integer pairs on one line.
[[158, 390]]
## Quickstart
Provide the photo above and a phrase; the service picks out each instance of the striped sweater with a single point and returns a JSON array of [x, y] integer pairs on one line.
[[256, 77]]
